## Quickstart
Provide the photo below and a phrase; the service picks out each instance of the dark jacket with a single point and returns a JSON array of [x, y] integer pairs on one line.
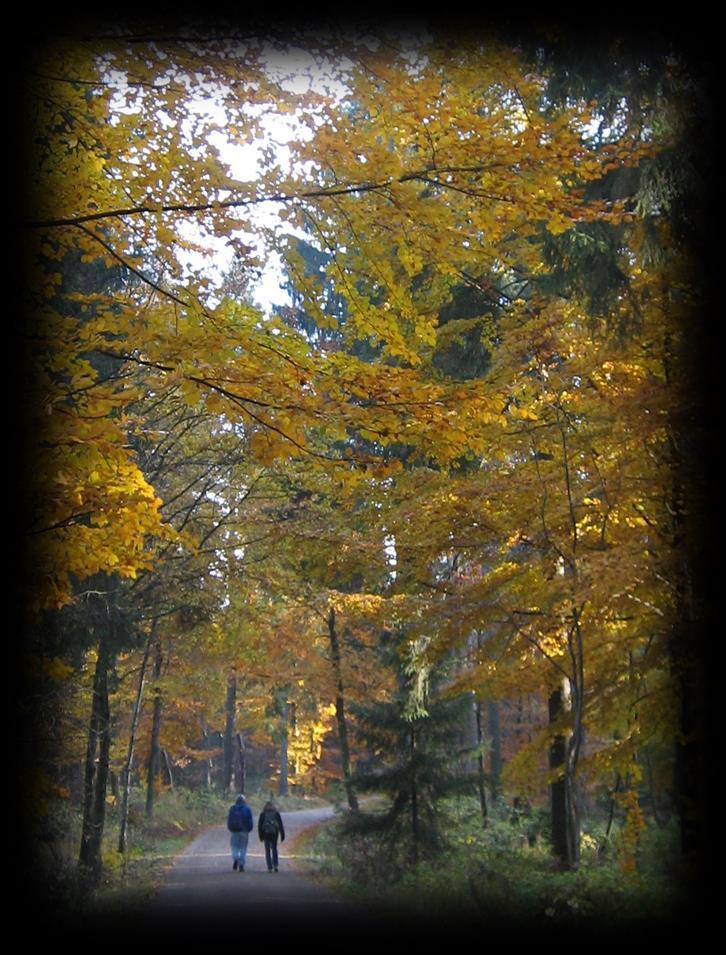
[[266, 812]]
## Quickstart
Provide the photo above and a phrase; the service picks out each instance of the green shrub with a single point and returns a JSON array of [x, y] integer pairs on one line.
[[503, 870]]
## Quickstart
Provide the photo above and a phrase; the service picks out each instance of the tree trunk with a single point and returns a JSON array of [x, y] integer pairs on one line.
[[155, 747], [480, 771], [558, 798], [230, 711], [126, 775], [495, 751], [283, 787], [208, 762], [167, 767], [242, 763], [690, 499], [611, 812], [292, 729], [96, 772], [564, 811], [113, 785], [692, 795], [415, 824], [340, 716], [660, 821]]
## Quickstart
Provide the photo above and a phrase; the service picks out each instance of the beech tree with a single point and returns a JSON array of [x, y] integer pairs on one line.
[[592, 474]]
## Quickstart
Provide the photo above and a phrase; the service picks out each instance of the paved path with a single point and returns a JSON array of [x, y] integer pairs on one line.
[[203, 895]]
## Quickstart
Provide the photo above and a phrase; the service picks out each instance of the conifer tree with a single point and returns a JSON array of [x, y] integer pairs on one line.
[[417, 759]]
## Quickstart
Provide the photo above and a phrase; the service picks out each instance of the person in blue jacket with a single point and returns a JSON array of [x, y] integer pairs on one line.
[[269, 828], [240, 823]]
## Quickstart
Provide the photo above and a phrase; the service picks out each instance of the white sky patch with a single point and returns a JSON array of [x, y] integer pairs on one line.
[[245, 163], [389, 546], [296, 71], [268, 290]]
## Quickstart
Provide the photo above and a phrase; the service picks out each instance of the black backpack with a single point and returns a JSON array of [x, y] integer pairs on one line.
[[269, 825]]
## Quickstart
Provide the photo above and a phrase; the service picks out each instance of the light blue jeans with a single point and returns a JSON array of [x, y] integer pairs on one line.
[[239, 847]]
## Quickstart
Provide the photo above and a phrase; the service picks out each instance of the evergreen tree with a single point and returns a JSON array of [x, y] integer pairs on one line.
[[416, 761]]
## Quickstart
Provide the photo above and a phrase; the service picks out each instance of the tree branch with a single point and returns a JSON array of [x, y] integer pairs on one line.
[[217, 206], [119, 258]]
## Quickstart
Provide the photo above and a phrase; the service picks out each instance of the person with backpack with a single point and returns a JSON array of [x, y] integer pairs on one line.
[[269, 827], [240, 823]]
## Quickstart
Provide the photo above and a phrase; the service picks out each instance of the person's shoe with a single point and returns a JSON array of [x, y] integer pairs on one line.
[[276, 869], [241, 867], [234, 864]]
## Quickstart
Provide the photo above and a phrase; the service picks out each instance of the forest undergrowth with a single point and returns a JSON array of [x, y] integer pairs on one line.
[[505, 873]]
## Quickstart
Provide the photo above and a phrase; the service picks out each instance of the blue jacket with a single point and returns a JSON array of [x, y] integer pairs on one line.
[[239, 818]]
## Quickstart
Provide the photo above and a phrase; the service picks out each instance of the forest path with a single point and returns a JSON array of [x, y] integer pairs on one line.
[[202, 894]]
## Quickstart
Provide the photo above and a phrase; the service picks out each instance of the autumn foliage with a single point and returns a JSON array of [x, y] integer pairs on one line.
[[248, 476]]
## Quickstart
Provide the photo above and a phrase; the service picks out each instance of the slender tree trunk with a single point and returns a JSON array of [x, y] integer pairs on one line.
[[230, 711], [573, 811], [292, 730], [155, 746], [558, 798], [128, 765], [113, 785], [481, 773], [211, 774], [96, 772], [415, 822], [167, 767], [335, 656], [89, 770], [576, 742], [611, 812], [495, 752], [568, 700], [242, 762], [208, 762], [283, 787]]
